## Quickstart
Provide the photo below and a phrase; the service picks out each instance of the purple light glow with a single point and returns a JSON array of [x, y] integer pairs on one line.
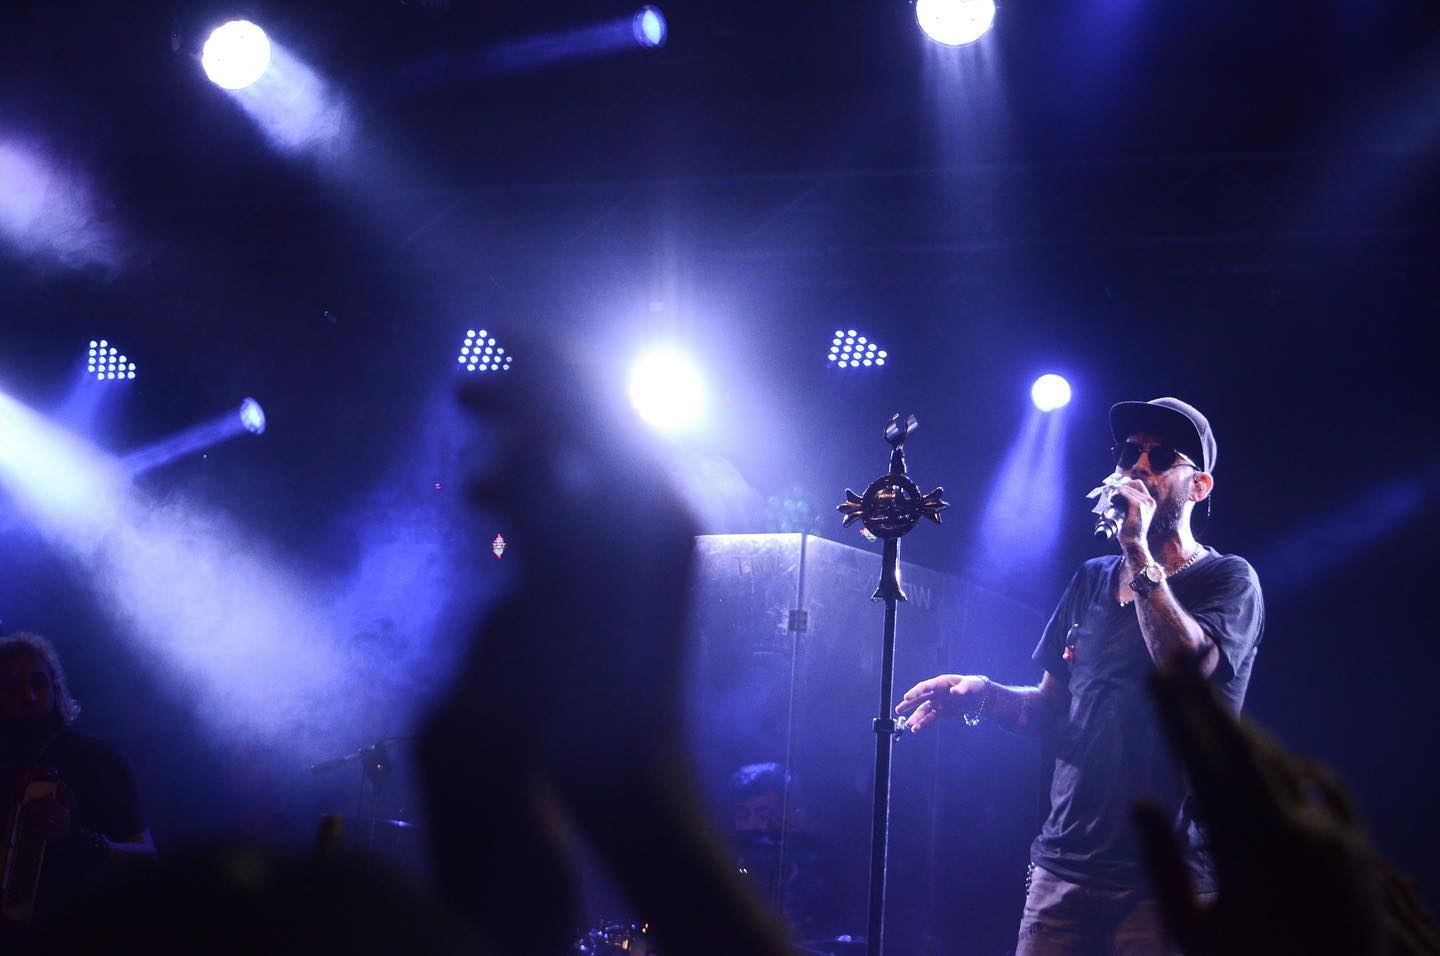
[[1024, 513], [263, 651], [48, 214], [296, 110]]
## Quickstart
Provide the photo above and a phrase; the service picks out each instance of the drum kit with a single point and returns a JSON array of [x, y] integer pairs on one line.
[[613, 939], [635, 939], [770, 866]]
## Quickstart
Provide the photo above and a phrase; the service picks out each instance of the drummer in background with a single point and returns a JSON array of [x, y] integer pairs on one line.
[[767, 823], [757, 798], [94, 828]]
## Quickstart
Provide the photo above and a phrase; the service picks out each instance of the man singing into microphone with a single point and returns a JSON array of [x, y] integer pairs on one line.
[[1164, 595]]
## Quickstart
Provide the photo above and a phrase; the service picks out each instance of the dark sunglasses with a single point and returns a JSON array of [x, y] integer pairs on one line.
[[1162, 459]]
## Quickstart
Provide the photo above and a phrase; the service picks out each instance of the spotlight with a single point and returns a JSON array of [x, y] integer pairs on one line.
[[850, 349], [106, 363], [481, 354], [667, 390], [236, 55], [1050, 392], [252, 416], [955, 22], [649, 26]]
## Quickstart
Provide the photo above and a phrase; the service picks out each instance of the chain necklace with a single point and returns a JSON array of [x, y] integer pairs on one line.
[[1194, 556]]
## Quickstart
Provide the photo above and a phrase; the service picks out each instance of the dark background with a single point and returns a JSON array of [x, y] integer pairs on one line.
[[1233, 203]]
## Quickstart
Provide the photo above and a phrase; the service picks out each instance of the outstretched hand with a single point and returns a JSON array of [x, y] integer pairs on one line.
[[932, 699]]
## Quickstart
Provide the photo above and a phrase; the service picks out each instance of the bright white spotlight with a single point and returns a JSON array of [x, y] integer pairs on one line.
[[649, 26], [252, 416], [481, 354], [955, 22], [1050, 392], [236, 54], [667, 390], [850, 349], [105, 362]]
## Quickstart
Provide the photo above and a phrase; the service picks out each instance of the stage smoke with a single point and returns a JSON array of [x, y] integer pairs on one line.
[[265, 649], [47, 213]]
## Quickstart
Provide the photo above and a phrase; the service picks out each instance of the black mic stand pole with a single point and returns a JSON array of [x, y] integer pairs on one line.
[[890, 507]]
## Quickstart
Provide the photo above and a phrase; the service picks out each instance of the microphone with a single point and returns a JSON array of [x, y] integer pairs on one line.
[[1109, 510], [1111, 518], [375, 754]]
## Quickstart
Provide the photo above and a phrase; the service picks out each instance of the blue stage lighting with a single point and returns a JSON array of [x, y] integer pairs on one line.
[[1050, 392], [481, 354], [236, 55], [850, 349], [955, 22], [667, 390], [649, 26], [252, 416], [106, 363], [249, 417]]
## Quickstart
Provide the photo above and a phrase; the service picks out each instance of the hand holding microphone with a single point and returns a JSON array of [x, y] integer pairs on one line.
[[1123, 502], [1110, 508]]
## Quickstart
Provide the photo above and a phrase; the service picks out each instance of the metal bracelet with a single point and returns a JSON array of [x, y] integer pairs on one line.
[[973, 720]]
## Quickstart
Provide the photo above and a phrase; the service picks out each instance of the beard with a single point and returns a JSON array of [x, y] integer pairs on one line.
[[1168, 514]]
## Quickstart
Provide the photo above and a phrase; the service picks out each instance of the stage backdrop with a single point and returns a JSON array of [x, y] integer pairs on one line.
[[785, 667]]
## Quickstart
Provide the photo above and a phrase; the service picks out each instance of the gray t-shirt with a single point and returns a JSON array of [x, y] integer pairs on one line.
[[1110, 750]]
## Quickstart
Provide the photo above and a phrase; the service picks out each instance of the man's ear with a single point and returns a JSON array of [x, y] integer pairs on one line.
[[1201, 486]]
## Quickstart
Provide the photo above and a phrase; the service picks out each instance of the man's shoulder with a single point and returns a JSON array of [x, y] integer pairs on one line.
[[1229, 566], [1089, 577], [1097, 567]]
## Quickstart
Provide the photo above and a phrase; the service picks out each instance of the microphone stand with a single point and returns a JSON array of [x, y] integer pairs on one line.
[[891, 505], [375, 768]]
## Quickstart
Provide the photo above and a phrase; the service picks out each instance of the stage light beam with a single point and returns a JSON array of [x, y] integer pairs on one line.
[[955, 22], [1050, 392], [236, 55], [1025, 508], [667, 390], [249, 418], [48, 209]]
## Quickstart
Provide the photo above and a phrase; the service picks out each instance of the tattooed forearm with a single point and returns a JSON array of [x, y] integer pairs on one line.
[[1022, 710], [1170, 632]]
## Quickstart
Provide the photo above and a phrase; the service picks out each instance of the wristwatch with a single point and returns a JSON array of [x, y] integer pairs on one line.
[[1148, 579]]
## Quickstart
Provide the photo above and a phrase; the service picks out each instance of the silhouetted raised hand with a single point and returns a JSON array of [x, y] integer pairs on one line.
[[1295, 870]]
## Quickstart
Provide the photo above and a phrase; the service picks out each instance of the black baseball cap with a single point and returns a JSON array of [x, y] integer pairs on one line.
[[1170, 419]]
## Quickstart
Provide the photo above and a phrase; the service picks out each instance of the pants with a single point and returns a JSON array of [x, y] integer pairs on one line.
[[1067, 919]]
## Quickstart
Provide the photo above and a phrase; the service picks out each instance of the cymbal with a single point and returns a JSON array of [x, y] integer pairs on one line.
[[393, 824], [834, 945]]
